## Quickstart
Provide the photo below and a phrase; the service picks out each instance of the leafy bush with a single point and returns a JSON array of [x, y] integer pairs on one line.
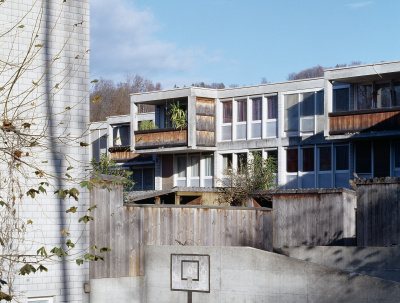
[[256, 174], [147, 124], [107, 166]]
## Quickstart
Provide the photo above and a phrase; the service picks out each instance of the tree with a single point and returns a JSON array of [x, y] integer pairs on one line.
[[44, 157], [110, 99], [252, 175]]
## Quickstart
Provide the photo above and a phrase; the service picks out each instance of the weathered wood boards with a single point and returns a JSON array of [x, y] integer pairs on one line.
[[167, 137], [361, 121], [205, 121], [314, 217], [125, 229], [378, 212]]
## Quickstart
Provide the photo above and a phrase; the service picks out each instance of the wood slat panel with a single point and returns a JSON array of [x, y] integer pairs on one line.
[[353, 122], [162, 138]]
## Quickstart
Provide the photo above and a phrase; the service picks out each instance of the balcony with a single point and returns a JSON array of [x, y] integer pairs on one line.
[[371, 120], [156, 138]]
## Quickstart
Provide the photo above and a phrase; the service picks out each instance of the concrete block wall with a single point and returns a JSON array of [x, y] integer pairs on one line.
[[64, 31]]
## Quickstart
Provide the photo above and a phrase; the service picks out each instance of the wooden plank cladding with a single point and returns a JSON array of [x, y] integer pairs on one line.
[[126, 155], [205, 121], [126, 229], [364, 121], [205, 106], [169, 137]]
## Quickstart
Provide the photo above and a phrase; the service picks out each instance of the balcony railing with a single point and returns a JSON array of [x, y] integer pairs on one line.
[[164, 137], [370, 120], [121, 153]]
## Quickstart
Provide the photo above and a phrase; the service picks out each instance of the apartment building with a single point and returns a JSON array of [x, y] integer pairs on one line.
[[321, 131]]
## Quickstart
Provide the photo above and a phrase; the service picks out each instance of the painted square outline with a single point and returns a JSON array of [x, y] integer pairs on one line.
[[198, 269], [192, 255]]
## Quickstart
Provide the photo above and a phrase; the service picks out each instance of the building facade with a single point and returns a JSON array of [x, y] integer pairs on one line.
[[322, 131]]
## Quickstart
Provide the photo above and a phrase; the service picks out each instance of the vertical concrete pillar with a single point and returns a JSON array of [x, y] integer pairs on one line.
[[328, 97], [134, 123], [191, 118]]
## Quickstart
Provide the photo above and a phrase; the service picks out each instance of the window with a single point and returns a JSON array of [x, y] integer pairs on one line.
[[208, 166], [307, 111], [272, 102], [242, 111], [292, 113], [341, 100], [227, 112], [382, 95], [181, 166], [226, 162], [257, 109], [325, 158], [320, 111], [308, 159], [241, 162], [342, 157], [396, 154], [363, 158], [121, 135], [195, 166], [364, 97], [396, 94], [227, 119], [292, 165], [143, 178]]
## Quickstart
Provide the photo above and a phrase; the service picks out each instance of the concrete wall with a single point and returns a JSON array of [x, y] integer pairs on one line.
[[240, 274], [380, 262], [64, 32]]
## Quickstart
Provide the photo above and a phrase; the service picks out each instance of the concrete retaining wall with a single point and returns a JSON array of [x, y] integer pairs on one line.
[[241, 274], [380, 262]]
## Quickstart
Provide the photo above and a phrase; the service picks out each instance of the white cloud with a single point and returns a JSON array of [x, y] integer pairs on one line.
[[356, 5], [123, 40]]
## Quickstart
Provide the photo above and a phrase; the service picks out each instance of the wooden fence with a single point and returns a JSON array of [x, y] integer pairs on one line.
[[378, 212], [125, 229], [314, 217]]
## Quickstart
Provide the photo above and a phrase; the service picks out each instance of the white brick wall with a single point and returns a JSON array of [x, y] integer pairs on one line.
[[63, 281]]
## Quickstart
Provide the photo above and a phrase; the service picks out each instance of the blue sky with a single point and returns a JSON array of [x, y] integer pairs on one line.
[[237, 42]]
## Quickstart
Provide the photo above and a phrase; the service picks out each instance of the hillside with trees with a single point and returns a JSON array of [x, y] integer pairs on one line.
[[112, 99]]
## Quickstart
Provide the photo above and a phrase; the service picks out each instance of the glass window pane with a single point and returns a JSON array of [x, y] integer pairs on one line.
[[292, 160], [121, 135], [342, 157], [226, 161], [341, 100], [320, 103], [364, 96], [241, 161], [209, 166], [274, 155], [272, 102], [307, 104], [195, 165], [308, 159], [242, 111], [363, 157], [291, 113], [325, 158], [396, 94], [396, 154], [382, 95], [181, 166], [148, 179], [257, 109], [227, 112]]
